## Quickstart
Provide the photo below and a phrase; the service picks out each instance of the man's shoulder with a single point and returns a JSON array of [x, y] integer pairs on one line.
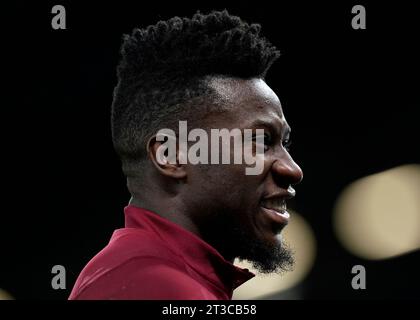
[[129, 243], [132, 242], [133, 257], [144, 277]]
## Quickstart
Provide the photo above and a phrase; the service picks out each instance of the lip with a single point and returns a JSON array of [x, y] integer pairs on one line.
[[280, 218], [284, 194]]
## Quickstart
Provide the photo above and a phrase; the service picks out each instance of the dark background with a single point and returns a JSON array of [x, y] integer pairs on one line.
[[351, 97]]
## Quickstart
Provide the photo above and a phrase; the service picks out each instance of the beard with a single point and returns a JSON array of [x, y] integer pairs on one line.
[[229, 236], [265, 257]]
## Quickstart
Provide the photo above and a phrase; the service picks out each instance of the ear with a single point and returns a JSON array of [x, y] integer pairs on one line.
[[165, 157]]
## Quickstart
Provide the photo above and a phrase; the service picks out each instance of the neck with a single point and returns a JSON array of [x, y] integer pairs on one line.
[[174, 214]]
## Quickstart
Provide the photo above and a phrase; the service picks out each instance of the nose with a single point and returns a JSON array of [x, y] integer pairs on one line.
[[286, 172]]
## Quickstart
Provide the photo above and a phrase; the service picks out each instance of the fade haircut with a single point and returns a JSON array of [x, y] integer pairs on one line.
[[164, 71]]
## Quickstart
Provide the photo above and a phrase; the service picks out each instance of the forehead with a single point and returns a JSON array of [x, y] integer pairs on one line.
[[248, 100]]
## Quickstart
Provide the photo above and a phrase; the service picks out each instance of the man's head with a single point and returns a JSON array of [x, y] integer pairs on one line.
[[209, 71]]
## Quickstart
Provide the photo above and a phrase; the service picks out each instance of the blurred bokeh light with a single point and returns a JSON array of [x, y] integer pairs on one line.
[[378, 217], [4, 295]]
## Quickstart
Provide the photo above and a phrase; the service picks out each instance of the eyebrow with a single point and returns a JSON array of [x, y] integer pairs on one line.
[[285, 132]]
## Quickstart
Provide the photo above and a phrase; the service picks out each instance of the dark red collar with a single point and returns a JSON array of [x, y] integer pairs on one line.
[[198, 254]]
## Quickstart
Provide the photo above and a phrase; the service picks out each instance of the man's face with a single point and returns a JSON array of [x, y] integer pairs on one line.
[[235, 212]]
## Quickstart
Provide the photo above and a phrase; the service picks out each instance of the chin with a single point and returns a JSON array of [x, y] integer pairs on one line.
[[269, 255]]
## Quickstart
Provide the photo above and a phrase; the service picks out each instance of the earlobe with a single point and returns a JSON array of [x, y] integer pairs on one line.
[[165, 159]]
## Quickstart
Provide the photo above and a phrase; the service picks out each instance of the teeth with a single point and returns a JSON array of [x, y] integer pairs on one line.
[[275, 204]]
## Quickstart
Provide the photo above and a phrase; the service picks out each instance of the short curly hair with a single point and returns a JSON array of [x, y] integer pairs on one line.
[[163, 73]]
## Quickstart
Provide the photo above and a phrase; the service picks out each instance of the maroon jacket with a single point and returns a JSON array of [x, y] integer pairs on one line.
[[153, 258]]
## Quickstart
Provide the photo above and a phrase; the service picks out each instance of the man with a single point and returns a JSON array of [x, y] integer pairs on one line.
[[186, 223]]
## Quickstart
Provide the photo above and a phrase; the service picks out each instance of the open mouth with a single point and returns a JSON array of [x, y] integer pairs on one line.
[[276, 211]]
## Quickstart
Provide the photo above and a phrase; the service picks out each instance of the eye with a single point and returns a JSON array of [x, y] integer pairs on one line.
[[267, 140], [287, 143]]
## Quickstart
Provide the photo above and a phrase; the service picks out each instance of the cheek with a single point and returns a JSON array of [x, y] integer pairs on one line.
[[226, 185]]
